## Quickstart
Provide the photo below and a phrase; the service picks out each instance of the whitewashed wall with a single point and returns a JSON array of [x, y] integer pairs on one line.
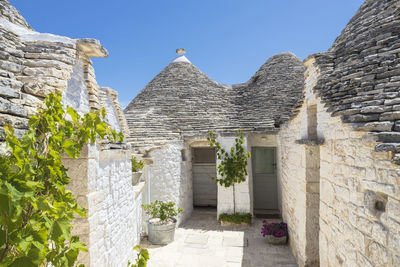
[[170, 179], [102, 183]]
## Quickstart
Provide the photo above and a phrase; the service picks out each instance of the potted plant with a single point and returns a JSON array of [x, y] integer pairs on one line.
[[235, 219], [161, 225], [275, 233], [137, 166]]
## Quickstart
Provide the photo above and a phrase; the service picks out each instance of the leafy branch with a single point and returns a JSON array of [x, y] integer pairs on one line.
[[233, 164], [36, 207]]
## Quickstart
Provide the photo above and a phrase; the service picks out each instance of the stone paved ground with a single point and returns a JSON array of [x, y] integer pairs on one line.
[[201, 241]]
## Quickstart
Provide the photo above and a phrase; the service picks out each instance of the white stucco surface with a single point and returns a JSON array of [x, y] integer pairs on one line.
[[170, 178], [102, 183]]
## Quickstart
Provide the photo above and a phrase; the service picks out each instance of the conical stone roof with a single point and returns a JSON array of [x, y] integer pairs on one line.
[[183, 101], [10, 13], [180, 99]]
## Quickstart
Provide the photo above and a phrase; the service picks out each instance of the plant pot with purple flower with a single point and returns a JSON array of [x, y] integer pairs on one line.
[[275, 233]]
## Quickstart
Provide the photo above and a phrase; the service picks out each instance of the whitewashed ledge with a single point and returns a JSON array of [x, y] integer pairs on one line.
[[138, 188]]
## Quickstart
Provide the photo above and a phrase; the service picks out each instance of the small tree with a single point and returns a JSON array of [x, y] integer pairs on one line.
[[233, 165], [36, 209]]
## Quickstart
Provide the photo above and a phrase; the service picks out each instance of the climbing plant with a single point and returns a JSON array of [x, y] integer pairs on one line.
[[233, 164], [36, 209]]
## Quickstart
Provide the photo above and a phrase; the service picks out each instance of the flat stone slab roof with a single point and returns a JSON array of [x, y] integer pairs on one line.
[[202, 242]]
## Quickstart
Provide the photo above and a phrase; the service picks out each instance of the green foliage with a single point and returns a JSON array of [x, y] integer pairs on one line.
[[136, 165], [35, 207], [237, 218], [233, 166], [162, 210], [141, 258]]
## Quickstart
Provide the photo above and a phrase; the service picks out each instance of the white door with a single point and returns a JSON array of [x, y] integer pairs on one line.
[[265, 188], [204, 167]]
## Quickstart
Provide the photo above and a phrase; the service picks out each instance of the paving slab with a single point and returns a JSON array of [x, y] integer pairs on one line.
[[202, 242]]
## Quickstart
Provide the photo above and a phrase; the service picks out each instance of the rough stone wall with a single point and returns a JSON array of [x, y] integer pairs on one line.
[[107, 102], [9, 13], [34, 64], [359, 190], [353, 178], [102, 183], [361, 73], [299, 175], [292, 169], [169, 177]]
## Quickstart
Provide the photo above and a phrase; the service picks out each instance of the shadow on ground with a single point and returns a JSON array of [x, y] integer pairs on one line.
[[202, 241]]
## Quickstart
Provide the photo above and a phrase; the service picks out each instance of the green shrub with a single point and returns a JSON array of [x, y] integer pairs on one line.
[[36, 209], [162, 210], [136, 165], [237, 218]]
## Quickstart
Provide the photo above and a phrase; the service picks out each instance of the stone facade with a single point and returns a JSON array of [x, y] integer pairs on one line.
[[169, 178], [102, 183], [33, 64]]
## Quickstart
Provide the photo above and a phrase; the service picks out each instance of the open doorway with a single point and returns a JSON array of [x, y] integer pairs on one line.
[[204, 168]]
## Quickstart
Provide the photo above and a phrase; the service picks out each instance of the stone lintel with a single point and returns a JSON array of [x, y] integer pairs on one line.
[[91, 47]]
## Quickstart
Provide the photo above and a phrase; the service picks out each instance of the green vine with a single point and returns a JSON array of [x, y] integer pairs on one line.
[[36, 209], [141, 258], [233, 164]]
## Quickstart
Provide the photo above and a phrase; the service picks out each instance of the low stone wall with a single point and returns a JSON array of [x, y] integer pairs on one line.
[[102, 183]]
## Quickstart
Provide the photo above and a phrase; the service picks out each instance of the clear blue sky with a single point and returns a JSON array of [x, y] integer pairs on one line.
[[226, 39]]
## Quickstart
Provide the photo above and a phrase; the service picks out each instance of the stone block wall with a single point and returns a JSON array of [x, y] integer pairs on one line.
[[360, 199], [356, 188], [299, 168], [169, 178], [102, 183], [292, 169]]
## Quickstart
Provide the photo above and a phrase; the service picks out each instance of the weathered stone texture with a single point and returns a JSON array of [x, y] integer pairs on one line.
[[33, 64], [181, 100], [102, 183], [9, 13], [360, 72], [299, 174]]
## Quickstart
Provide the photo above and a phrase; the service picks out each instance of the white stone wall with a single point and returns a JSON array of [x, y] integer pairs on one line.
[[291, 165], [242, 190], [102, 183], [169, 178], [352, 178], [296, 184], [352, 231]]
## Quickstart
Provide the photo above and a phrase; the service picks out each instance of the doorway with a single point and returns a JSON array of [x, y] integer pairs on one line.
[[265, 185], [204, 168]]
